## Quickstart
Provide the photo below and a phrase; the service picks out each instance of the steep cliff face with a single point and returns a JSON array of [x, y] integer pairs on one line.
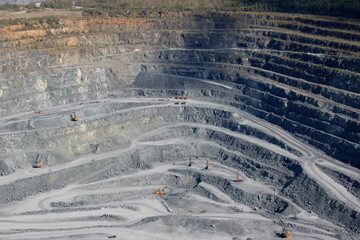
[[276, 96], [301, 74]]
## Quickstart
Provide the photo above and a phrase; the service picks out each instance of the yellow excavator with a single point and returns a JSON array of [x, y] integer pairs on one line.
[[38, 163], [285, 233], [160, 191], [75, 117]]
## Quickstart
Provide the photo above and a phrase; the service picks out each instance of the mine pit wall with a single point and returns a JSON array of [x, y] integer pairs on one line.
[[314, 104], [259, 163], [315, 120], [322, 122]]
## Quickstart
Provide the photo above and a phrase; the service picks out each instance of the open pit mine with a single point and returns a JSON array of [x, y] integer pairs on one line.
[[213, 125]]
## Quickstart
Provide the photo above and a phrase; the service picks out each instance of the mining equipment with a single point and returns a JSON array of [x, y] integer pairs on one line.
[[38, 163], [191, 163], [160, 191], [207, 165], [75, 117], [237, 177], [38, 111], [285, 233]]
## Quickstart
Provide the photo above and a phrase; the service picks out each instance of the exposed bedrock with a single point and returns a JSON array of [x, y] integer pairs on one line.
[[232, 144], [315, 95], [268, 96]]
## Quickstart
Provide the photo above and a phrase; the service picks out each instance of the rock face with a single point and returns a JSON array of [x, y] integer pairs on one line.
[[275, 96], [307, 85]]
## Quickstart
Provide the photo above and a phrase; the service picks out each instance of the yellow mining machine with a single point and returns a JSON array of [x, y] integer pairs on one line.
[[38, 111], [191, 163], [38, 163], [75, 117], [237, 177], [285, 233], [160, 191], [207, 165]]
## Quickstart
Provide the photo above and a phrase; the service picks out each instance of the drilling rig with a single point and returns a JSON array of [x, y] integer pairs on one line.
[[237, 177]]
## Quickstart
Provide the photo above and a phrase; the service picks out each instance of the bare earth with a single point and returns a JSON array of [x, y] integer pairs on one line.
[[38, 13]]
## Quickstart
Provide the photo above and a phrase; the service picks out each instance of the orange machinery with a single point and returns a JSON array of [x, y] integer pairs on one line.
[[75, 117], [160, 191], [237, 177], [38, 111], [38, 163], [285, 233], [191, 163]]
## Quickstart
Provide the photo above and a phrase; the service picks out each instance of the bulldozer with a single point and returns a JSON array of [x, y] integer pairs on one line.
[[160, 191], [75, 117], [191, 163], [285, 233], [38, 163], [237, 177]]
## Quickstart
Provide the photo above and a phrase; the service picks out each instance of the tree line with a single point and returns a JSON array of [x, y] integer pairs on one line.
[[337, 8]]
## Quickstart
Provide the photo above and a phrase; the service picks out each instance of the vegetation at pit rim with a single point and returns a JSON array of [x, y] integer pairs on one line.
[[338, 8], [51, 21]]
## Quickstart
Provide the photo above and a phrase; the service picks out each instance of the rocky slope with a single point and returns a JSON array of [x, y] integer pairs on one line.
[[301, 74], [275, 96]]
